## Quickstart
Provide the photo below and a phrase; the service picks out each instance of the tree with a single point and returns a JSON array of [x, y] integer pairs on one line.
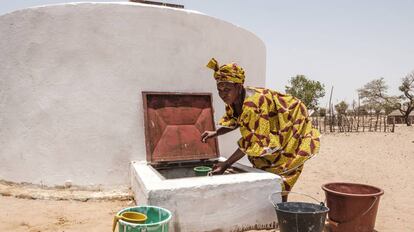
[[341, 108], [308, 91], [354, 108], [362, 110], [391, 105], [351, 112], [406, 104], [322, 112], [374, 95]]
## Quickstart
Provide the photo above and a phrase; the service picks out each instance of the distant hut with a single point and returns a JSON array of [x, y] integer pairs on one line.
[[398, 117]]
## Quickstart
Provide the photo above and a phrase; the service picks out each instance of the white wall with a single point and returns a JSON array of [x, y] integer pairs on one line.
[[71, 78]]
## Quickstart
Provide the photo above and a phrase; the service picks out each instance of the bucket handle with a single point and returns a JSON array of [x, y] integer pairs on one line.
[[288, 192], [115, 222], [336, 224]]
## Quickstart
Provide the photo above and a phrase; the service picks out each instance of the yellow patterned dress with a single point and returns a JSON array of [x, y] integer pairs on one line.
[[277, 134]]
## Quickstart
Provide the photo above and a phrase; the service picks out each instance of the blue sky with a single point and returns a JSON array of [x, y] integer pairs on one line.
[[343, 44]]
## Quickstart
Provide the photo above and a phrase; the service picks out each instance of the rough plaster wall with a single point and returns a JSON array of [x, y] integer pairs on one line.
[[71, 77], [233, 207]]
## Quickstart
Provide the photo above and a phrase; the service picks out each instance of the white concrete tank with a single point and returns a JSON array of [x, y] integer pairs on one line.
[[71, 77]]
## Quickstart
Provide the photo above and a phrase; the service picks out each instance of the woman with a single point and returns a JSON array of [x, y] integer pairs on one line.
[[277, 135]]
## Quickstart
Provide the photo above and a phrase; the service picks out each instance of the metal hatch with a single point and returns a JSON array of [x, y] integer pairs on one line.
[[174, 123]]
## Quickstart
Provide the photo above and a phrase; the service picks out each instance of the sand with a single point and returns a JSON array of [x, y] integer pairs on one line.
[[384, 160], [26, 215]]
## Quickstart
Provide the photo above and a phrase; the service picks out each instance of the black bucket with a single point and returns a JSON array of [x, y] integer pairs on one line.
[[299, 216]]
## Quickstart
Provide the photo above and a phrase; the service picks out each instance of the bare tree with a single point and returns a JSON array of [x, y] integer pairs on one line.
[[406, 105], [374, 95], [375, 90]]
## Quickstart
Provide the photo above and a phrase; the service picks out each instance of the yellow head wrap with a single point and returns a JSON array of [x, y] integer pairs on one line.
[[228, 73]]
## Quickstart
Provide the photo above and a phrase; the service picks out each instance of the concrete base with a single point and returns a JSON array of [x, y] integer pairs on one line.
[[236, 202]]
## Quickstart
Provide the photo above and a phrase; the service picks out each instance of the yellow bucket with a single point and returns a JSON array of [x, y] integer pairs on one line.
[[132, 217]]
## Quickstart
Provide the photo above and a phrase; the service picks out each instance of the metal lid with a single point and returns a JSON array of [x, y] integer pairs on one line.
[[174, 123]]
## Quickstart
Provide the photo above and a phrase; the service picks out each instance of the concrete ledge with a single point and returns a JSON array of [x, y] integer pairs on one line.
[[236, 202]]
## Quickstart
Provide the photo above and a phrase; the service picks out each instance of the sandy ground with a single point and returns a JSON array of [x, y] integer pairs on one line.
[[381, 159], [385, 160]]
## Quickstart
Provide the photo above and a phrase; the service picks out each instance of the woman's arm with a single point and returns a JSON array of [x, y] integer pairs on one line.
[[222, 166], [225, 130], [211, 134]]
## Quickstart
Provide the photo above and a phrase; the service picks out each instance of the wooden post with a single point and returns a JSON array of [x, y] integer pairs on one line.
[[380, 124], [358, 113], [363, 123], [335, 120], [319, 123], [332, 123], [370, 124], [352, 124], [393, 124], [347, 123], [357, 127], [330, 109], [339, 124]]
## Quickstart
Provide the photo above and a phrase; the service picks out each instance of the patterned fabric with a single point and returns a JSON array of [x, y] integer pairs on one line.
[[277, 134], [227, 73]]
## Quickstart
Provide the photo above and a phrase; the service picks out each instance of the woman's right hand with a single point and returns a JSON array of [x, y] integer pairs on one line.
[[207, 135], [219, 168]]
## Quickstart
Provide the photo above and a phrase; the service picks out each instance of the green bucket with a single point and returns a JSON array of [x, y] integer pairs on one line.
[[158, 219], [202, 170]]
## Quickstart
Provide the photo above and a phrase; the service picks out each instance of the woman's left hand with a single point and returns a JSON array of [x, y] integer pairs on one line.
[[207, 135]]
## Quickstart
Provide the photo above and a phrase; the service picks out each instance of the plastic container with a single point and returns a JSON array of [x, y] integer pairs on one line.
[[202, 170], [157, 219], [353, 206], [133, 217], [299, 216]]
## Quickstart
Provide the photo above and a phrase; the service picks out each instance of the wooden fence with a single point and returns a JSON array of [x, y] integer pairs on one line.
[[362, 123]]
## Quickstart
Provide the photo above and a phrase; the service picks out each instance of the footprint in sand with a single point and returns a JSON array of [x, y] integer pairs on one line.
[[61, 221]]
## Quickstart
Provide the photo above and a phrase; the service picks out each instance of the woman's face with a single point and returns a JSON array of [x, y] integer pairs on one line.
[[228, 91]]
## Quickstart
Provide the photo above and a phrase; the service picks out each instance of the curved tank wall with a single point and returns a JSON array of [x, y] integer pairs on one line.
[[71, 77]]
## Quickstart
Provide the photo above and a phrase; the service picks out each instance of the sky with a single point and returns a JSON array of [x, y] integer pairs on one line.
[[343, 44]]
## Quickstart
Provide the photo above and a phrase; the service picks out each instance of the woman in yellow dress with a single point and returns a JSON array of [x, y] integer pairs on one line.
[[277, 134]]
